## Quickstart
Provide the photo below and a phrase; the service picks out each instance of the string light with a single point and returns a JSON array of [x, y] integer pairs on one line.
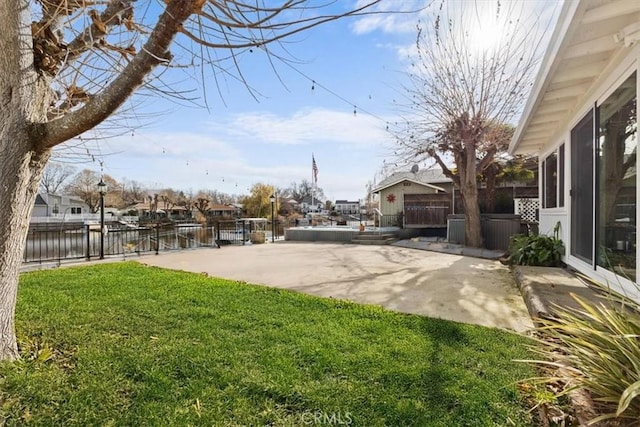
[[315, 83]]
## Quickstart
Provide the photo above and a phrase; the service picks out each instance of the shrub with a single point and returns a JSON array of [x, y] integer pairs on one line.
[[596, 348], [536, 249]]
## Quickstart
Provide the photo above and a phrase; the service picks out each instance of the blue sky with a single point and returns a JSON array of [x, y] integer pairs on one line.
[[239, 141]]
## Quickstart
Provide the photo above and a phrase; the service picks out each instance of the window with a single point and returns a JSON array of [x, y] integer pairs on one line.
[[553, 179], [76, 211], [561, 176]]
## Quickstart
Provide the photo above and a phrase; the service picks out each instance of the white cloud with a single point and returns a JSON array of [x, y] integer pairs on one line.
[[303, 127], [174, 144], [394, 17], [407, 52]]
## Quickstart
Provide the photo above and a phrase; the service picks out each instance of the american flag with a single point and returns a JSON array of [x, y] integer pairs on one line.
[[314, 169]]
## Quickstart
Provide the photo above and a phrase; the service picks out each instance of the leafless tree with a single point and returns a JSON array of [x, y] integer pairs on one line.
[[132, 192], [84, 185], [202, 203], [186, 201], [298, 191], [54, 176], [218, 197], [169, 198], [69, 65], [465, 90]]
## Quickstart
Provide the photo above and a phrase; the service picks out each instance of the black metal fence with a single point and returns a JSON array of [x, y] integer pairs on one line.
[[238, 232], [232, 232], [49, 242]]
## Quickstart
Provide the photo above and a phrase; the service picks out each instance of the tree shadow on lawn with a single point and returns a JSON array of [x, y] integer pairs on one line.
[[465, 379], [437, 378]]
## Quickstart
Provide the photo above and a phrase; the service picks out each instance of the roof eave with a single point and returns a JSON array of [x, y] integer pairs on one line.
[[391, 184], [565, 25]]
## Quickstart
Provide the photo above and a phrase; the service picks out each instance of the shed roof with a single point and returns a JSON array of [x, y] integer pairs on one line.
[[426, 177]]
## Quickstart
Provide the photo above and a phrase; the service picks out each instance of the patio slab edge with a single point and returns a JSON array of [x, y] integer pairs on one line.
[[449, 248], [544, 289]]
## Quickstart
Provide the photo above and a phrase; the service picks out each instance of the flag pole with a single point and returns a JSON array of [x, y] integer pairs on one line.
[[314, 169]]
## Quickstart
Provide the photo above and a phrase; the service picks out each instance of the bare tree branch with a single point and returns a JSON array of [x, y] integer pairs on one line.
[[54, 176], [101, 106], [462, 95]]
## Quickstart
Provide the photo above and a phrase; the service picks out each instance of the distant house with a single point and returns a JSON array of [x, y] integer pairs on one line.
[[40, 207], [345, 207], [223, 211], [54, 206], [150, 210], [311, 206], [581, 121]]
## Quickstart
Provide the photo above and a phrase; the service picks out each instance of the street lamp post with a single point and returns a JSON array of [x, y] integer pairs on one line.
[[272, 199], [102, 189]]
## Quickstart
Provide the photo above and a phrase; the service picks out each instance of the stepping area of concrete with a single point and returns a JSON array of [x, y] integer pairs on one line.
[[544, 289], [434, 284]]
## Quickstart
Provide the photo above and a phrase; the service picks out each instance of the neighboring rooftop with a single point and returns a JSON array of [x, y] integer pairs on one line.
[[427, 176]]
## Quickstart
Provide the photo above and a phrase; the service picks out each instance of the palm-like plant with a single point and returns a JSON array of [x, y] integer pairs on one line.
[[596, 347]]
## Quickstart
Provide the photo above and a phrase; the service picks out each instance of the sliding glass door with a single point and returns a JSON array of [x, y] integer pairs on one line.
[[582, 153], [617, 147]]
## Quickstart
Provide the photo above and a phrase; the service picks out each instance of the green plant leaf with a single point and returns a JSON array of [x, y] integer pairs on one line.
[[628, 395]]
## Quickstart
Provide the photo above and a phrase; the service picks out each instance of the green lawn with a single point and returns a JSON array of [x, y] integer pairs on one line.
[[124, 344]]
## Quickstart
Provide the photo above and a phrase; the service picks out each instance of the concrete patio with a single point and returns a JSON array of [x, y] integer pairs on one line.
[[453, 287]]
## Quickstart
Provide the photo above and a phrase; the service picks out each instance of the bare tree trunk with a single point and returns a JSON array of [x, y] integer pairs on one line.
[[24, 99], [17, 197], [469, 192], [472, 231]]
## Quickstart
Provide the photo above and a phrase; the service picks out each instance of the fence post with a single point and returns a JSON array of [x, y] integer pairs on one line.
[[59, 235], [87, 231], [243, 230], [157, 238]]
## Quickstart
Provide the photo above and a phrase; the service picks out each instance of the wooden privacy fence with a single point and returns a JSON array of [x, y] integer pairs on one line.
[[429, 210]]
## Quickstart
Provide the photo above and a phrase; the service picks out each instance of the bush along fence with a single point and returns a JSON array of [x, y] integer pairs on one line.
[[55, 242]]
